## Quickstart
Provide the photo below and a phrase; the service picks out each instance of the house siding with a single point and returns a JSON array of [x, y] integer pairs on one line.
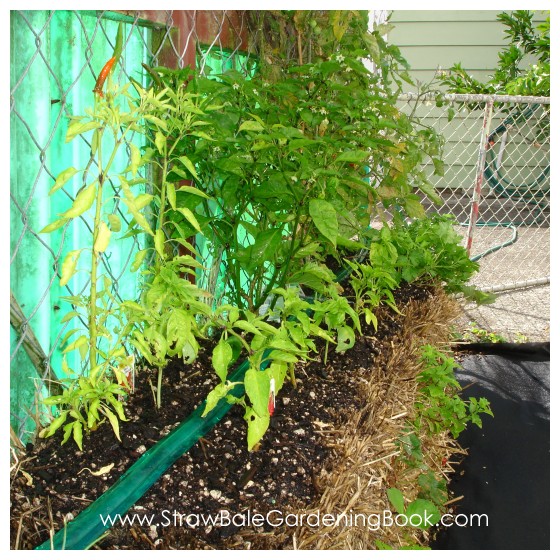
[[430, 40]]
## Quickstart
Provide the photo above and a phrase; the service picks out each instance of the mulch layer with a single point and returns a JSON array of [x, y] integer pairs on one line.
[[52, 483]]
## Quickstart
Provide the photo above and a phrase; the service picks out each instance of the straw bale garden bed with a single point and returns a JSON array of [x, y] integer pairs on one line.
[[328, 346]]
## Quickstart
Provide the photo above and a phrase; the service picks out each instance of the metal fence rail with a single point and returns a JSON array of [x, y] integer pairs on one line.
[[496, 182]]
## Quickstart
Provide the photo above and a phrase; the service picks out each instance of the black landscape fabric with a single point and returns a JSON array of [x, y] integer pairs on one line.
[[507, 472]]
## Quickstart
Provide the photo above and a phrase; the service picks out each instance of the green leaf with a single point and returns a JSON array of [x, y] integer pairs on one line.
[[252, 126], [439, 167], [396, 498], [78, 127], [246, 326], [68, 268], [189, 165], [257, 388], [221, 357], [282, 356], [346, 338], [422, 513], [83, 202], [325, 218], [114, 223], [77, 434], [55, 424], [216, 395], [138, 260], [114, 422], [131, 205], [103, 238], [194, 190], [256, 427], [413, 207], [62, 178], [171, 195], [190, 218], [353, 156], [278, 372]]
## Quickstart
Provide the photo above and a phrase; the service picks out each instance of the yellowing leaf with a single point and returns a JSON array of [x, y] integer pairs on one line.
[[63, 178], [83, 202], [68, 268], [78, 127], [138, 260], [103, 470], [54, 225], [114, 223], [80, 341], [159, 241], [103, 238], [160, 142], [134, 158]]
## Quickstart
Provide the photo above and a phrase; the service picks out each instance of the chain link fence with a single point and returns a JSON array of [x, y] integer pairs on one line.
[[55, 59], [496, 182]]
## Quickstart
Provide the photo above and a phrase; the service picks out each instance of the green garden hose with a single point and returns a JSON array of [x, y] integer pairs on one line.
[[532, 193], [88, 527]]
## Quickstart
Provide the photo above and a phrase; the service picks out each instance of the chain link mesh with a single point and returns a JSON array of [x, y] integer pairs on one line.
[[511, 214], [56, 56]]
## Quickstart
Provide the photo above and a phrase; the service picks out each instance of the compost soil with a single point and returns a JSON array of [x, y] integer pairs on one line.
[[55, 482]]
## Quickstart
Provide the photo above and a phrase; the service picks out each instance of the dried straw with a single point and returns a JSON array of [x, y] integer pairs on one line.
[[366, 448]]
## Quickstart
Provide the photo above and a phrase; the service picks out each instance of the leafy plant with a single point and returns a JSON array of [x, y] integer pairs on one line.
[[512, 76], [477, 334], [440, 407], [295, 159], [424, 510], [166, 321], [110, 128]]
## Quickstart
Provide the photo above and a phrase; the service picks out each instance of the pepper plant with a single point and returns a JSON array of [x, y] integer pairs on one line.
[[93, 395]]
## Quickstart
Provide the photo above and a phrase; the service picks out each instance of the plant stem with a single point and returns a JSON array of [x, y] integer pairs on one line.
[[158, 390]]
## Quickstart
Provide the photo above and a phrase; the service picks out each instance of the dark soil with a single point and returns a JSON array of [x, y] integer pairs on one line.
[[218, 473]]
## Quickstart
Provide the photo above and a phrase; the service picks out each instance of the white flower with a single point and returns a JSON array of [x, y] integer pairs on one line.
[[293, 178], [340, 58], [348, 69], [323, 111], [235, 86], [255, 92], [313, 110]]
